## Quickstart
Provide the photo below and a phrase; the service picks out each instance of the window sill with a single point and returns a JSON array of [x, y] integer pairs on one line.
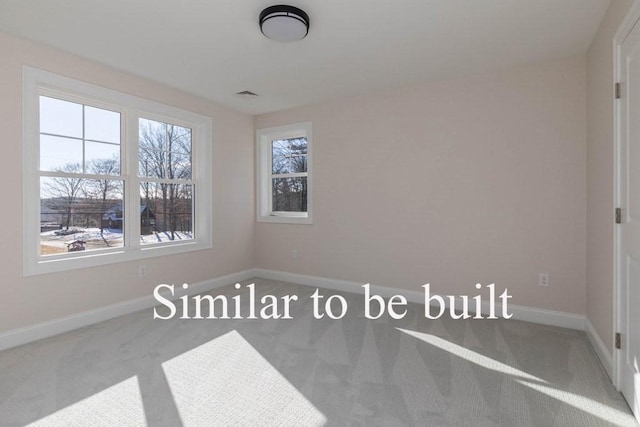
[[286, 219], [46, 265]]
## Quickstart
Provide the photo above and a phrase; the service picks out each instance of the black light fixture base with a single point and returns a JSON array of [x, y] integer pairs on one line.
[[282, 10]]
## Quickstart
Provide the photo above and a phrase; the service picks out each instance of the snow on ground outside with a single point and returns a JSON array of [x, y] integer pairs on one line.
[[110, 238]]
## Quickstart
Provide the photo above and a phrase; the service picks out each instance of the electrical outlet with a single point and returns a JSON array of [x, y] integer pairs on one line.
[[543, 279], [142, 270], [294, 253]]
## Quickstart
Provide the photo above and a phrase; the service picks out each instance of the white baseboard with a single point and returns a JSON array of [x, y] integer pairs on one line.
[[600, 348], [528, 314], [548, 317], [16, 337], [337, 285]]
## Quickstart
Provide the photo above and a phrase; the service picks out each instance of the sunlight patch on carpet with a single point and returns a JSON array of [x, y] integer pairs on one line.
[[582, 403], [227, 382], [471, 356], [118, 405]]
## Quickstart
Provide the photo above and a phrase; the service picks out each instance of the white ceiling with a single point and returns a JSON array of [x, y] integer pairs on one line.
[[214, 48]]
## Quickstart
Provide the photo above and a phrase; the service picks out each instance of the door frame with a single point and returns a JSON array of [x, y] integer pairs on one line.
[[628, 24]]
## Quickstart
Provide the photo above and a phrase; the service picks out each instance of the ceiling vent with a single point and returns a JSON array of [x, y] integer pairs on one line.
[[247, 94]]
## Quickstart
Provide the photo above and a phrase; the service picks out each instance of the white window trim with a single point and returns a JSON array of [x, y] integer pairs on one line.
[[38, 82], [264, 137]]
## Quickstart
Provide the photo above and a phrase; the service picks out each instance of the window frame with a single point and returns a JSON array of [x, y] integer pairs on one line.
[[264, 175], [38, 82]]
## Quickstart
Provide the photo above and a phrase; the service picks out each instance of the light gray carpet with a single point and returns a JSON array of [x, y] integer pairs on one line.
[[134, 370]]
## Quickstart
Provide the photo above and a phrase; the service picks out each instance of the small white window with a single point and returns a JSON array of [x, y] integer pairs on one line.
[[110, 177], [284, 174]]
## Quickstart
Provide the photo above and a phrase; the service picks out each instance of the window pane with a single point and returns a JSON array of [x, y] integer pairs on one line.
[[179, 165], [289, 156], [280, 148], [104, 167], [101, 158], [299, 164], [281, 164], [166, 212], [289, 194], [60, 117], [164, 150], [80, 214], [101, 125], [298, 146], [57, 153]]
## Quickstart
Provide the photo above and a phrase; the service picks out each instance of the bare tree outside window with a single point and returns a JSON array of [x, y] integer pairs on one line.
[[165, 164], [104, 190], [289, 175], [111, 174], [79, 177], [61, 193]]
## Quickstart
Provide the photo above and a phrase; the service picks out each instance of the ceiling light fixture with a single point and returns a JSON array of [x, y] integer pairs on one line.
[[284, 23]]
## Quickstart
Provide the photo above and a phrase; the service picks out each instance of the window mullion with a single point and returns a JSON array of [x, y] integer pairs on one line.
[[84, 143], [58, 174], [168, 181], [290, 175], [132, 181]]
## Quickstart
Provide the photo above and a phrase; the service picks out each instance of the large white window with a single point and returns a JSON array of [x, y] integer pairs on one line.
[[284, 174], [110, 177]]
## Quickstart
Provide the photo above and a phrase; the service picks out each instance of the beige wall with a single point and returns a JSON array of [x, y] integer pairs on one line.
[[600, 173], [26, 301], [480, 179]]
